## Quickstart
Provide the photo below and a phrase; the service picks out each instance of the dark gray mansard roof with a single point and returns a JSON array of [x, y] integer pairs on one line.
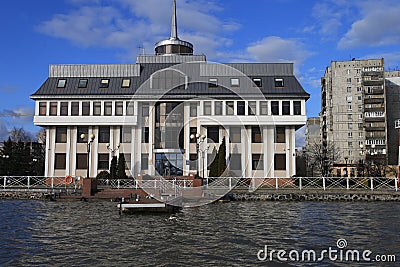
[[198, 75]]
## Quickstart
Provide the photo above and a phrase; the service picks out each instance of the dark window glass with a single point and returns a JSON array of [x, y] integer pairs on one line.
[[263, 108], [42, 108], [207, 108], [104, 134], [83, 83], [213, 134], [280, 135], [193, 131], [297, 107], [256, 136], [279, 82], [257, 162], [60, 161], [286, 108], [280, 162], [81, 161], [104, 83], [218, 107], [53, 108], [85, 108], [145, 161], [107, 108], [193, 109], [126, 134], [103, 163], [97, 108], [130, 111], [82, 130], [275, 108], [235, 134], [235, 162], [145, 135], [230, 108], [193, 162], [257, 82], [61, 134], [61, 83], [241, 108], [145, 110], [252, 108], [64, 109], [74, 108], [212, 83], [119, 108]]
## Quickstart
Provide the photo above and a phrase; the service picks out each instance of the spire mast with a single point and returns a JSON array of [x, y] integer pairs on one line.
[[174, 28]]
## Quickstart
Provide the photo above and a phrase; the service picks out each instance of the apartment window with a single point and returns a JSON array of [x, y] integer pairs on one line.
[[107, 108], [348, 80], [64, 108], [349, 99], [235, 82], [61, 134], [193, 131], [286, 108], [61, 83], [230, 108], [359, 89], [241, 108], [145, 110], [74, 108], [280, 135], [350, 135], [119, 108], [350, 117], [82, 130], [280, 162], [104, 83], [42, 108], [126, 134], [144, 162], [81, 161], [212, 83], [359, 98], [257, 82], [360, 107], [235, 134], [128, 163], [193, 162], [297, 107], [263, 108], [97, 108], [103, 162], [104, 134], [349, 107], [348, 72], [218, 107], [213, 134], [60, 160], [349, 89], [83, 83], [85, 108], [53, 108], [256, 136], [235, 162], [350, 153], [275, 107], [207, 107], [279, 82], [193, 109], [350, 144], [145, 135], [350, 126], [252, 108], [257, 162], [126, 83], [360, 116], [130, 111]]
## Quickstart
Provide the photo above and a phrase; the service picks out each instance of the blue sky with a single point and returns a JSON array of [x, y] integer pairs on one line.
[[311, 34]]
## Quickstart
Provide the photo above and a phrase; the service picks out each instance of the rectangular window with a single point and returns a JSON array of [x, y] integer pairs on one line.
[[193, 162], [97, 108], [279, 82], [126, 83], [350, 135], [104, 83], [145, 135], [348, 80], [81, 161], [280, 136], [82, 130], [119, 108], [350, 144], [235, 82], [74, 108], [61, 83], [61, 134], [64, 108], [104, 134], [285, 107], [207, 107], [107, 108], [280, 162], [349, 99], [252, 108], [256, 136], [218, 107], [241, 109], [193, 132], [130, 111], [83, 83], [193, 109], [213, 134], [42, 108], [257, 162], [350, 126], [145, 109], [350, 117], [349, 107], [128, 163], [145, 162], [348, 89], [263, 108], [126, 134], [212, 83], [257, 82], [60, 160], [53, 108], [85, 108], [235, 162], [235, 134], [230, 108], [275, 107], [297, 107], [103, 162]]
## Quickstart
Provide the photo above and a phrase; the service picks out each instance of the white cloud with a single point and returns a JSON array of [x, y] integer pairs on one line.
[[392, 60]]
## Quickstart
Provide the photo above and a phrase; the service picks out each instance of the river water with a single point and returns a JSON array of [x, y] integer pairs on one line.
[[36, 233]]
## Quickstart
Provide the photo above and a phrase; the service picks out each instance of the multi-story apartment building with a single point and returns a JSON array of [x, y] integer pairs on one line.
[[353, 114], [167, 111], [313, 131], [392, 86]]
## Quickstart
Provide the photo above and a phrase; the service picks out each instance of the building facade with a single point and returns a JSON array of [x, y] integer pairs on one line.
[[392, 85], [168, 111]]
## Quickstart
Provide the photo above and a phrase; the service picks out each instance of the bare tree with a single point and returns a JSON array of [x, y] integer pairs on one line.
[[320, 159], [19, 135]]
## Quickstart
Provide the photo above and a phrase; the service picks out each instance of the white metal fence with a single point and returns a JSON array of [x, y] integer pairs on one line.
[[227, 183]]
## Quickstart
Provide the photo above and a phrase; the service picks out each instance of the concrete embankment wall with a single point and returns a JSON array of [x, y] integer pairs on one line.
[[23, 195], [269, 195]]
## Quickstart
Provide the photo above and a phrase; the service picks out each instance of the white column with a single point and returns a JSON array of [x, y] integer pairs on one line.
[[151, 138], [133, 152], [270, 151], [47, 171], [288, 151], [245, 156], [94, 151], [68, 145], [293, 150], [52, 136], [249, 152], [186, 119], [73, 137], [266, 147]]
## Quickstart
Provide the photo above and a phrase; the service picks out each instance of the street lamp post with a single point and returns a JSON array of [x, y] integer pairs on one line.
[[199, 139], [89, 143], [112, 150], [346, 159], [397, 126], [5, 157]]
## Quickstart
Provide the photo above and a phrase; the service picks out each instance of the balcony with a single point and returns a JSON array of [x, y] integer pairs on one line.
[[379, 100], [375, 82], [374, 129], [374, 91]]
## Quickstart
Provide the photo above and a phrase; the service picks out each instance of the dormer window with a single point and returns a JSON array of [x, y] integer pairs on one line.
[[83, 83], [235, 82], [279, 82], [104, 83], [126, 83], [257, 82], [212, 83], [61, 83]]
